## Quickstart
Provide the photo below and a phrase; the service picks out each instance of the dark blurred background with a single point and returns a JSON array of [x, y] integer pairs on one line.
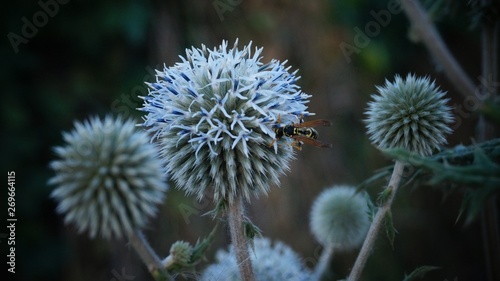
[[65, 61]]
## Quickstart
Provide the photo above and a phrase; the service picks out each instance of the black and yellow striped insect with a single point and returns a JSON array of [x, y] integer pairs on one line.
[[302, 132]]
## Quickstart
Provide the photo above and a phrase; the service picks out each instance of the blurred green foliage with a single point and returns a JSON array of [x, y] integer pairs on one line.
[[474, 169]]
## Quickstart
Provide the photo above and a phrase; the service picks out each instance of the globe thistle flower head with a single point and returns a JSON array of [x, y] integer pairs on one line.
[[213, 114], [339, 218], [270, 263], [108, 178], [409, 113]]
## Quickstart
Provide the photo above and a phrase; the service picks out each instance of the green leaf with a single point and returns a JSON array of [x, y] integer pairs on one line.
[[201, 247], [384, 195], [219, 209], [250, 231], [419, 272], [472, 167], [379, 174], [390, 231]]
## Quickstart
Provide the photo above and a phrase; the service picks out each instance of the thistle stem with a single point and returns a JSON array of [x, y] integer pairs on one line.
[[436, 46], [378, 222], [235, 217], [148, 256], [323, 263], [485, 130]]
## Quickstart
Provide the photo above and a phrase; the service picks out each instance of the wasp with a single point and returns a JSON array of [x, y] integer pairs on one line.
[[302, 132]]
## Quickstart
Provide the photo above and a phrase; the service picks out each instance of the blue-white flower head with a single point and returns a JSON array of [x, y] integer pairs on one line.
[[109, 177], [213, 114], [270, 263]]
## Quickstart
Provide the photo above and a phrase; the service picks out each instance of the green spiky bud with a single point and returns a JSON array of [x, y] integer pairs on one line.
[[409, 113], [181, 252]]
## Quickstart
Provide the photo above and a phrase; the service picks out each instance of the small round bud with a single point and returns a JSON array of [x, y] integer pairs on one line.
[[339, 218], [181, 252]]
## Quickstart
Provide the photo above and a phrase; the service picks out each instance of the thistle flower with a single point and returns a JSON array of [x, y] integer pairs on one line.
[[109, 177], [270, 263], [410, 114], [213, 114], [339, 218]]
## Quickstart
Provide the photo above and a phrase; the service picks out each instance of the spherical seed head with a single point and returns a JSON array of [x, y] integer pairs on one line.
[[214, 113], [270, 263], [109, 177], [410, 114], [339, 218]]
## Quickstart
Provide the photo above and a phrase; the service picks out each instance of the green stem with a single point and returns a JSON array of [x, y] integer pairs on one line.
[[148, 256], [324, 261], [378, 222], [236, 229]]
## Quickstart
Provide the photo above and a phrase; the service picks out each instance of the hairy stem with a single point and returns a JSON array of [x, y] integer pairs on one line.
[[430, 37], [324, 261], [378, 222], [236, 229], [148, 256]]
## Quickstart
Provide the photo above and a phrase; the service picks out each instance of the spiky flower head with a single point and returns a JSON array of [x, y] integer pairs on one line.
[[270, 263], [213, 114], [109, 177], [409, 113], [339, 217]]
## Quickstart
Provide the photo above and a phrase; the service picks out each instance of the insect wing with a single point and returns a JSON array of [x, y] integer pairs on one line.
[[312, 142], [314, 123]]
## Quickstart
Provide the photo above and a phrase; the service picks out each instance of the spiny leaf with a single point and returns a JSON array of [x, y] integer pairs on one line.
[[372, 209], [161, 275], [250, 231], [419, 272], [218, 210], [201, 247], [474, 200], [379, 174], [384, 195], [482, 171], [473, 167]]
